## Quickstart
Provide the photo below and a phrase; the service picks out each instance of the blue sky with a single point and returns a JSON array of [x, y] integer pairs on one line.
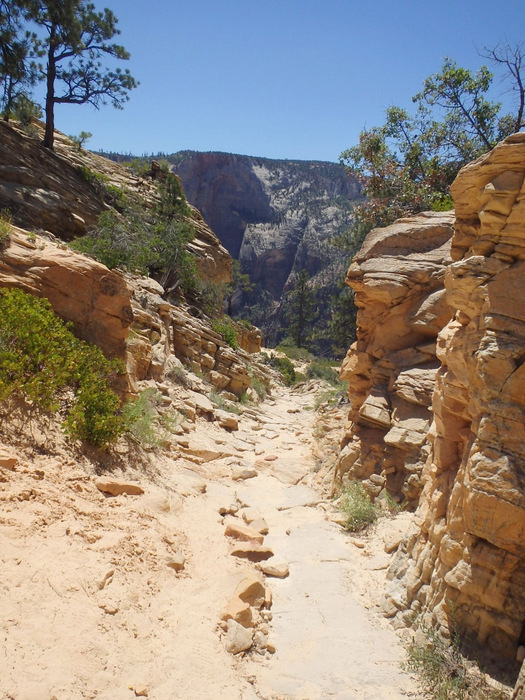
[[294, 79]]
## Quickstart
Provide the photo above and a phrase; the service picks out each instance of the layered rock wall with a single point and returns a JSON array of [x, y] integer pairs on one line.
[[64, 191], [398, 280], [465, 564]]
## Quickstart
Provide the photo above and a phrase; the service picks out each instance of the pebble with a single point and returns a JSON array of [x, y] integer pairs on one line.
[[177, 561]]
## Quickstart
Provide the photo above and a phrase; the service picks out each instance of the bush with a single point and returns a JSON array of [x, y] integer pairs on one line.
[[294, 353], [140, 417], [445, 673], [5, 227], [225, 328], [284, 366], [143, 241], [40, 357], [323, 370], [357, 505]]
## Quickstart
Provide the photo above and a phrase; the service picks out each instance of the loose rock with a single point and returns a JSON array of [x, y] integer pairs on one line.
[[115, 487], [238, 638]]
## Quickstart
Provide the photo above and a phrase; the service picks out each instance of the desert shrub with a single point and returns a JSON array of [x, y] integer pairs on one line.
[[5, 227], [287, 347], [81, 139], [141, 418], [356, 504], [40, 357], [94, 178], [284, 366], [323, 369], [261, 388], [148, 242], [444, 672], [226, 329]]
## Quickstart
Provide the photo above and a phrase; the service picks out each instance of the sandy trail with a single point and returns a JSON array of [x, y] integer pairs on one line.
[[89, 607]]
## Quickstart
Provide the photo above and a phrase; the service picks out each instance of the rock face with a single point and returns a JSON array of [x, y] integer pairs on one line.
[[467, 562], [96, 300], [58, 191], [398, 278], [276, 216]]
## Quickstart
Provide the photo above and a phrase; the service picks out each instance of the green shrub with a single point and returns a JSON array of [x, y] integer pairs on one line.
[[146, 241], [94, 178], [445, 673], [294, 353], [356, 504], [40, 357], [141, 418], [5, 227], [261, 388], [225, 328], [284, 366], [81, 139], [323, 369]]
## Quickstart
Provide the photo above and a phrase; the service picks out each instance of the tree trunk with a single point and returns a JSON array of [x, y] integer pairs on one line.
[[49, 137]]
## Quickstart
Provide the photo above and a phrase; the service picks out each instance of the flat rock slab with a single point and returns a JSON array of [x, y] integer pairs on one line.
[[115, 487], [253, 552]]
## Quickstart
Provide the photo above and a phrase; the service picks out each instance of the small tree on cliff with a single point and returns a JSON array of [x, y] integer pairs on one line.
[[408, 164], [75, 38]]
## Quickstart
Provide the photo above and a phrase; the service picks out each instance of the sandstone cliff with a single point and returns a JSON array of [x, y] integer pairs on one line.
[[63, 192], [465, 562], [276, 216], [398, 281]]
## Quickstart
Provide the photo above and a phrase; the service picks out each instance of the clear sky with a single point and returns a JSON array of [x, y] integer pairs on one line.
[[294, 79]]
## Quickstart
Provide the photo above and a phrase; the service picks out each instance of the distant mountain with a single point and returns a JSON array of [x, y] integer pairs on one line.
[[276, 216]]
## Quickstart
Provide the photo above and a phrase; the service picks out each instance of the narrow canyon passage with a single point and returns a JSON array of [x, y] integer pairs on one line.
[[93, 606]]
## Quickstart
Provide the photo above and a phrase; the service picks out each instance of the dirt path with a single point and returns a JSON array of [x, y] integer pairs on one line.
[[91, 607]]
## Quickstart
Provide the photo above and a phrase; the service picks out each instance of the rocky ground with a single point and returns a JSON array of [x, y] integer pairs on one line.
[[217, 571]]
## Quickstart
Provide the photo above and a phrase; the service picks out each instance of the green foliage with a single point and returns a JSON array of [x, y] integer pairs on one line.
[[94, 178], [17, 70], [324, 369], [408, 164], [356, 504], [284, 366], [73, 37], [147, 242], [445, 673], [141, 418], [221, 403], [292, 351], [299, 309], [81, 139], [40, 357], [24, 109], [5, 227], [226, 328], [260, 387]]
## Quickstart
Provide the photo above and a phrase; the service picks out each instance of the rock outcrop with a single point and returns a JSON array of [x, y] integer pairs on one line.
[[96, 300], [64, 191], [398, 280], [276, 216], [125, 315], [465, 564]]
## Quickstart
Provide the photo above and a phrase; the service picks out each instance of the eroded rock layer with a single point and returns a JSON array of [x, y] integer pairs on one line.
[[466, 562], [64, 191], [126, 316], [398, 281]]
